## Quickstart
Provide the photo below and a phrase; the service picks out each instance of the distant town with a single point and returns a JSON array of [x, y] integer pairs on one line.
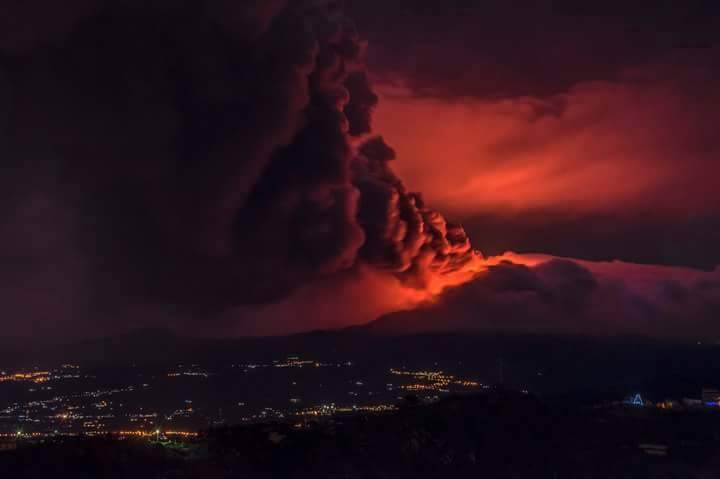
[[473, 409], [184, 399]]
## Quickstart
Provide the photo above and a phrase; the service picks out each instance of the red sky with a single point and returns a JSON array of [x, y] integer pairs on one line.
[[644, 144], [585, 130]]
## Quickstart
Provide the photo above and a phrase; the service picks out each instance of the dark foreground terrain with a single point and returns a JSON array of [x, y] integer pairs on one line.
[[498, 434]]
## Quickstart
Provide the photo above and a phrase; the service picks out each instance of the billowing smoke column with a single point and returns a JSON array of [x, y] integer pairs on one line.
[[405, 236], [201, 155]]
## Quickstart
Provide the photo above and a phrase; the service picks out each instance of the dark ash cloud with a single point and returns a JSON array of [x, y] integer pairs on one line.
[[498, 49], [190, 157]]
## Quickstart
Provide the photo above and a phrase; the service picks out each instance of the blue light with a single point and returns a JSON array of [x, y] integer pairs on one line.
[[636, 400]]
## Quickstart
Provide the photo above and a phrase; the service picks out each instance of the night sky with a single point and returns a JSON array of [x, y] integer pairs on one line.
[[265, 167]]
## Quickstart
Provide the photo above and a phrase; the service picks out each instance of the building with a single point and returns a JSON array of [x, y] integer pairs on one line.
[[654, 449], [710, 395], [690, 402], [635, 400]]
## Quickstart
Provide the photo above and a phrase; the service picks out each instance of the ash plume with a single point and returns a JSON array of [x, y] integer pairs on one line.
[[404, 235], [196, 156]]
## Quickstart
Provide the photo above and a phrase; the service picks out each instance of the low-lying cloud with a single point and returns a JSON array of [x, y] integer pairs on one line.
[[543, 294]]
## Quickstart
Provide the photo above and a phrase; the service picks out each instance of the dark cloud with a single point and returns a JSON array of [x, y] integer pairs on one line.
[[563, 296], [188, 157], [404, 235], [457, 48], [362, 102]]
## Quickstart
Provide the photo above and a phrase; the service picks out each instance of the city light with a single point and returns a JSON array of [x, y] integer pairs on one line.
[[86, 407]]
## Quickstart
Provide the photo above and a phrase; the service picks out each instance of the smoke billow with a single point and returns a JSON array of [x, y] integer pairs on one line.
[[404, 235], [197, 156]]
